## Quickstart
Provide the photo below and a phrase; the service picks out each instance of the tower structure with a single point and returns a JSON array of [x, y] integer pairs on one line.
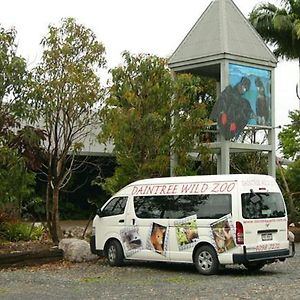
[[223, 45]]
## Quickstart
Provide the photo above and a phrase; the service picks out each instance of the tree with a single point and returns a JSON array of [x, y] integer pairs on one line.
[[279, 26], [66, 91], [12, 78], [137, 115], [289, 142], [293, 177], [289, 137], [17, 181], [12, 67], [136, 119]]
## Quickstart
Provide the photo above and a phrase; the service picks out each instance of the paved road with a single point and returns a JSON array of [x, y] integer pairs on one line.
[[138, 280]]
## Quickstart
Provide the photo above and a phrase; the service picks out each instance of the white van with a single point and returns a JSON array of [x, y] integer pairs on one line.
[[210, 221]]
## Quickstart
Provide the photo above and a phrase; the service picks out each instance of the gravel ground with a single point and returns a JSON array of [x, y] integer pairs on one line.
[[137, 280]]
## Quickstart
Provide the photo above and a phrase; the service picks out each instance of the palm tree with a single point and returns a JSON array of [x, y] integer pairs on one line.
[[279, 26]]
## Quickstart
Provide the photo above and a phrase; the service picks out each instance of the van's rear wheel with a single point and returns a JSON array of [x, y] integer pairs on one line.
[[114, 253], [254, 267], [206, 260]]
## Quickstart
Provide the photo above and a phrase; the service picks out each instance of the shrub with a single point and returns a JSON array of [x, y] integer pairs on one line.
[[15, 232], [4, 217]]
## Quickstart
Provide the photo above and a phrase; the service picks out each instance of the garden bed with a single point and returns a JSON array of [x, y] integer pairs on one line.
[[28, 253]]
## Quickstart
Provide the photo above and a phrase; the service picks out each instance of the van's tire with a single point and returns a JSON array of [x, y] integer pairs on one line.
[[114, 254], [254, 267], [206, 260]]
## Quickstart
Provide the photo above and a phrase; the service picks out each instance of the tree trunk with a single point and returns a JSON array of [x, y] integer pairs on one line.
[[48, 214], [55, 216]]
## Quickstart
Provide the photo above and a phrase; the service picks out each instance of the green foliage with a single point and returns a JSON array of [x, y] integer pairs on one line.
[[292, 174], [289, 137], [279, 26], [27, 141], [12, 66], [17, 184], [137, 119], [249, 163], [288, 180], [15, 232]]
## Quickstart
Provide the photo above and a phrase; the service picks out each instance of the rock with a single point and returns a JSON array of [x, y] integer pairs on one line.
[[76, 250]]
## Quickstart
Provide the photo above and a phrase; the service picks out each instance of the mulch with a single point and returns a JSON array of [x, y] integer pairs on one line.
[[21, 246]]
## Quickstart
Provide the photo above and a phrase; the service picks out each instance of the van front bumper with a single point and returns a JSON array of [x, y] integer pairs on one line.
[[93, 247], [264, 256]]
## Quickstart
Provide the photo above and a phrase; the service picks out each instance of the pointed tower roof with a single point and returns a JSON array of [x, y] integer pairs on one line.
[[222, 32]]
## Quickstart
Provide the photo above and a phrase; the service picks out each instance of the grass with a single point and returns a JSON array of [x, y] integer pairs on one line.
[[3, 291]]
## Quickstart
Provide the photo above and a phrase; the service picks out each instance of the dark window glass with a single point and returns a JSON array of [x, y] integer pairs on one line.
[[115, 207], [181, 206], [150, 207], [204, 206], [262, 205]]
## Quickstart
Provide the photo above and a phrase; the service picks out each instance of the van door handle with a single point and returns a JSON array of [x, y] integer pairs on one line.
[[133, 221], [121, 221]]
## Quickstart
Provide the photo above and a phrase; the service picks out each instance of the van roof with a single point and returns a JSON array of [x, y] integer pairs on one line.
[[200, 178]]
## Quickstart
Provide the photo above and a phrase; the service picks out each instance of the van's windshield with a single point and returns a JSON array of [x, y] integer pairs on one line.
[[262, 205]]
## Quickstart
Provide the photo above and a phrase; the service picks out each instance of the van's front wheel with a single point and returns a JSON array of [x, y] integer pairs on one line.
[[206, 260], [114, 253]]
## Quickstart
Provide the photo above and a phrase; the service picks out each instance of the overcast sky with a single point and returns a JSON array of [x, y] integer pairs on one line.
[[140, 26]]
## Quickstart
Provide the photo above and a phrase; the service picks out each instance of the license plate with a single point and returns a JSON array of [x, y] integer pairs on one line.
[[267, 237]]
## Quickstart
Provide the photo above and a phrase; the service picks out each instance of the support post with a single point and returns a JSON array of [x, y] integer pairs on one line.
[[271, 135], [224, 157], [173, 155]]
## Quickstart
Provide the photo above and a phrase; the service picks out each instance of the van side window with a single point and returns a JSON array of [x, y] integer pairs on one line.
[[212, 206], [209, 206], [150, 207], [115, 207]]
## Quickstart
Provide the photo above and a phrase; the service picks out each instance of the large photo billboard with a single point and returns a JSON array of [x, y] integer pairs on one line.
[[245, 101]]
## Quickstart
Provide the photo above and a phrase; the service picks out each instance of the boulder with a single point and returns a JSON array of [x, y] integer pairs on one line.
[[76, 250]]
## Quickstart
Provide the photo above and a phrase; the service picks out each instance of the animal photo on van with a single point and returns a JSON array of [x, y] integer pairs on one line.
[[223, 236], [158, 238], [131, 240], [186, 232]]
